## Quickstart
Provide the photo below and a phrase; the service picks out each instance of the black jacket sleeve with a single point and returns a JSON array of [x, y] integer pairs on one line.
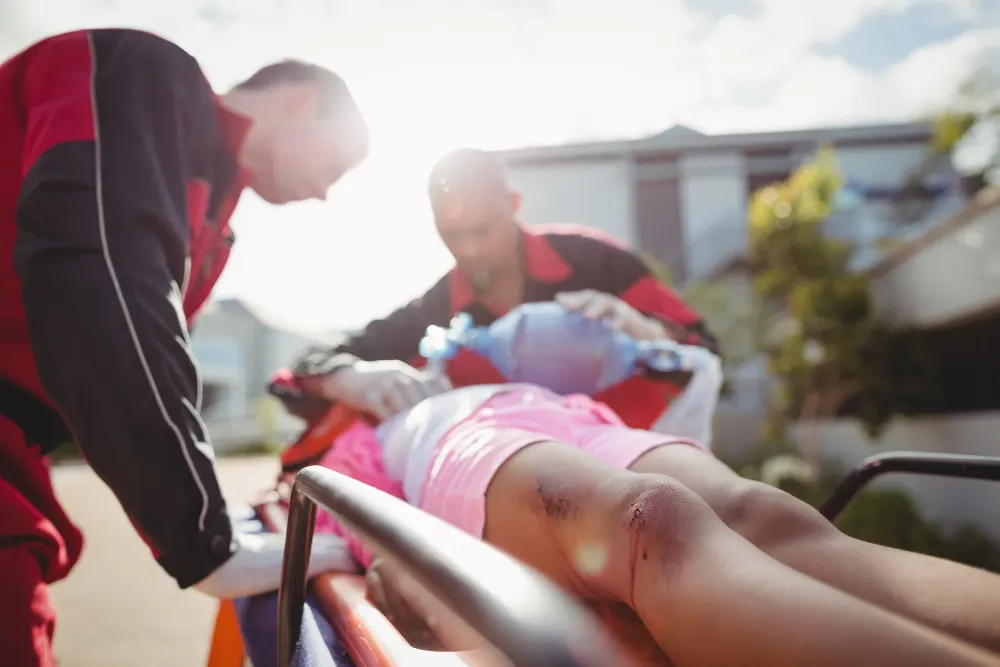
[[396, 336], [102, 254]]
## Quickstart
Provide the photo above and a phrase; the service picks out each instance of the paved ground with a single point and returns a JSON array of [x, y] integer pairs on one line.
[[117, 608]]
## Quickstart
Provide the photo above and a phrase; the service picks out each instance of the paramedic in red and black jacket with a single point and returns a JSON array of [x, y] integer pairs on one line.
[[499, 264], [120, 171]]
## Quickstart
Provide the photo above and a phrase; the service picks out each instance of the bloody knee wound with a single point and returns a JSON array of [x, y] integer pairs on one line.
[[613, 533], [660, 519]]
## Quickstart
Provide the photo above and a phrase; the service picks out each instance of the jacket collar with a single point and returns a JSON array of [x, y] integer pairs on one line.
[[541, 264]]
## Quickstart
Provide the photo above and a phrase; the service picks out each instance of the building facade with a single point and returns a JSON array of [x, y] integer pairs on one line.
[[944, 287], [682, 196]]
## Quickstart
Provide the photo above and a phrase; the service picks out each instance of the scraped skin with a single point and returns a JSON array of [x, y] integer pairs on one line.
[[958, 599], [706, 594]]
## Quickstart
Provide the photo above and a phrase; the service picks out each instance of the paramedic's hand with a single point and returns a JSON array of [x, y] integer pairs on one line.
[[256, 566], [619, 315], [383, 388]]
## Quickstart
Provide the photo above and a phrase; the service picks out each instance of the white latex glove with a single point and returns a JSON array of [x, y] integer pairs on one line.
[[620, 316], [383, 388], [256, 567]]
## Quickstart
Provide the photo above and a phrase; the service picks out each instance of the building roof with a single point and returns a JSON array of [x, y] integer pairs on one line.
[[677, 133], [680, 138]]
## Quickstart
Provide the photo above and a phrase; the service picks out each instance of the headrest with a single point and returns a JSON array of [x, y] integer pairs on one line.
[[283, 383], [284, 386]]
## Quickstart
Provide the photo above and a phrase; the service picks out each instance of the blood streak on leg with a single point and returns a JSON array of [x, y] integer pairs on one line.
[[635, 524]]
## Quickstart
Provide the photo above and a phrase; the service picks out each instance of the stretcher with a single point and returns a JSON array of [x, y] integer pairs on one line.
[[333, 624]]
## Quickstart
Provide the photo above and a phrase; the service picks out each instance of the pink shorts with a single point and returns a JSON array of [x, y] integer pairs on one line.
[[470, 454]]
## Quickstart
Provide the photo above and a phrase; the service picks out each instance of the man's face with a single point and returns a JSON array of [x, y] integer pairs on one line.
[[306, 157], [479, 230]]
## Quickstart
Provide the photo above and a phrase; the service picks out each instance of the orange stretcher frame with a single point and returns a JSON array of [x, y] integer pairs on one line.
[[226, 649]]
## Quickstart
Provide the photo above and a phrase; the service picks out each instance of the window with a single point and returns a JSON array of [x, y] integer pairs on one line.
[[660, 224]]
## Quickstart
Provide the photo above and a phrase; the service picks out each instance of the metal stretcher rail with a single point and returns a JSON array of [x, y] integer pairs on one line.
[[523, 615], [940, 465]]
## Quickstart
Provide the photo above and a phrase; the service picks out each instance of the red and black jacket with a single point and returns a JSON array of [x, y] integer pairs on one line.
[[558, 258], [116, 220]]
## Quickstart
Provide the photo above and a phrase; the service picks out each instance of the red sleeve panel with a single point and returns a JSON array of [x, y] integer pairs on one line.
[[57, 91], [656, 300], [118, 124]]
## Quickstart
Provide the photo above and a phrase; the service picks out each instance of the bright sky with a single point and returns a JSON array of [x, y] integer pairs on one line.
[[436, 74]]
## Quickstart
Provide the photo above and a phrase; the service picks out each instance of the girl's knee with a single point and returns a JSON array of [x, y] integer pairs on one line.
[[660, 508], [590, 526], [766, 515], [650, 521], [653, 508]]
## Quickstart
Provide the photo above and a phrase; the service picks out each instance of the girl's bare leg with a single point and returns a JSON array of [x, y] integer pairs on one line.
[[958, 599], [623, 624], [707, 595]]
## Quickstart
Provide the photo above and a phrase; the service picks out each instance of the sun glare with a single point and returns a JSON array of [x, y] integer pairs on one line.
[[370, 247]]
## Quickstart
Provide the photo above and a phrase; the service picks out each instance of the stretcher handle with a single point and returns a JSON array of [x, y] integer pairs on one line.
[[921, 463], [518, 611]]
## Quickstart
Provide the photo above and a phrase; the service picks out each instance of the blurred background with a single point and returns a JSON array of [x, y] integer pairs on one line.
[[731, 141]]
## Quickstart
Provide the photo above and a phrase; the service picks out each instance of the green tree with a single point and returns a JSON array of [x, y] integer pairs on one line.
[[977, 101], [731, 312], [819, 333], [973, 109]]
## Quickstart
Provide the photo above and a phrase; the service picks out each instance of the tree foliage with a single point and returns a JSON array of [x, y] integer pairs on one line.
[[819, 333], [730, 311], [977, 101], [809, 314], [973, 112]]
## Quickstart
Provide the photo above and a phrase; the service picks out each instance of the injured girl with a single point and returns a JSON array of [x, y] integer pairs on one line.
[[712, 568]]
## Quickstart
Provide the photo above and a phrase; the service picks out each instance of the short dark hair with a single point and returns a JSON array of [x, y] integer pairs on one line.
[[336, 98], [468, 170]]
